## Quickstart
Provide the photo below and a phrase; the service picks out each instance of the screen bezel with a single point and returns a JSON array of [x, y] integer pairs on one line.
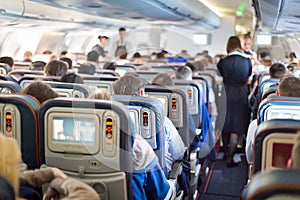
[[76, 148], [166, 105]]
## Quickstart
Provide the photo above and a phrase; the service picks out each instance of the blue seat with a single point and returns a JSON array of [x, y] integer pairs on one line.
[[9, 87], [5, 68], [280, 107], [19, 113], [262, 87], [26, 80]]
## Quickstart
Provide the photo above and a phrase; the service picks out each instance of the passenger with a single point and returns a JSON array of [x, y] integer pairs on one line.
[[109, 66], [162, 79], [235, 69], [122, 43], [131, 85], [67, 60], [7, 60], [40, 91], [293, 58], [56, 68], [71, 78], [100, 48], [246, 44], [184, 54], [7, 191], [289, 86], [37, 66], [276, 71], [121, 58], [61, 186], [27, 57], [137, 58], [87, 69], [148, 180]]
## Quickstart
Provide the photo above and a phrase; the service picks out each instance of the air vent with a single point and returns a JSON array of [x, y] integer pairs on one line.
[[119, 13], [94, 5], [137, 17]]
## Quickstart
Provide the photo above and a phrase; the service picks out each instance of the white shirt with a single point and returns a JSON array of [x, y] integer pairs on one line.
[[250, 140]]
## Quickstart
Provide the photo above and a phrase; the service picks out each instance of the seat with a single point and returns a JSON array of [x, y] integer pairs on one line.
[[26, 80], [19, 73], [5, 68], [263, 86], [150, 116], [296, 72], [271, 91], [273, 143], [276, 184], [70, 89], [100, 82], [9, 87], [105, 72], [279, 108], [263, 77], [170, 70], [194, 95], [205, 88], [19, 117], [123, 69], [146, 76], [90, 140]]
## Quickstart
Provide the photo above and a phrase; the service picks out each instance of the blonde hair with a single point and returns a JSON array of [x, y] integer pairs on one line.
[[10, 159]]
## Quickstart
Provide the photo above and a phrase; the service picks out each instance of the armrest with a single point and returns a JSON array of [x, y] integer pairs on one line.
[[176, 170]]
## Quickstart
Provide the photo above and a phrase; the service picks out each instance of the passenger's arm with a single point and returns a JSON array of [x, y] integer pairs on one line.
[[36, 178], [250, 140], [70, 189]]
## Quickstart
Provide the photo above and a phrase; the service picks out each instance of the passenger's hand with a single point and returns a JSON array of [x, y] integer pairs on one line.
[[57, 173]]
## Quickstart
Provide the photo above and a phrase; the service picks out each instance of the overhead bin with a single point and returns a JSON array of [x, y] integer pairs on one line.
[[11, 11]]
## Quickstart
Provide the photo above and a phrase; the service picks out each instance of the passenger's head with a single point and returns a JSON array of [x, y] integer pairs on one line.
[[71, 78], [289, 86], [40, 91], [109, 66], [191, 66], [27, 57], [104, 40], [10, 158], [292, 55], [163, 79], [55, 68], [122, 54], [93, 56], [37, 65], [184, 73], [246, 42], [8, 60], [277, 70], [129, 85], [294, 161], [87, 69], [67, 60], [122, 32], [233, 44], [102, 95]]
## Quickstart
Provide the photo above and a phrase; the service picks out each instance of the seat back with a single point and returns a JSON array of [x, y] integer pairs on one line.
[[177, 108], [279, 108], [19, 120], [4, 68], [26, 80], [273, 143], [277, 184], [90, 140], [204, 85], [262, 87], [9, 87], [146, 76], [17, 74], [105, 72], [70, 89], [150, 115], [296, 72], [123, 69], [100, 82], [170, 70], [194, 96], [271, 91]]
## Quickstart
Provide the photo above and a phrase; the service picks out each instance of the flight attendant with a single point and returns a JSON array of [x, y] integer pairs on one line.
[[235, 69]]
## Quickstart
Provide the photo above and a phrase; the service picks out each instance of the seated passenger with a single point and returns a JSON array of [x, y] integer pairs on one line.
[[71, 78], [40, 91], [87, 69], [65, 188], [55, 68], [294, 161], [149, 180], [7, 60], [67, 60], [289, 86], [277, 71], [37, 66], [131, 85]]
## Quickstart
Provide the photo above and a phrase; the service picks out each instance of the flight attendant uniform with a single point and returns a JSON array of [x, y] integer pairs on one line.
[[235, 69]]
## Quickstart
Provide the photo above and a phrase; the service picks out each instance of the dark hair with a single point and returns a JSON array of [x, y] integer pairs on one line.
[[110, 66], [289, 86], [37, 65], [122, 29], [233, 44], [277, 70], [93, 56], [56, 68], [191, 66], [293, 55], [63, 53], [87, 69], [40, 91], [67, 60], [136, 55], [8, 60], [183, 72], [71, 78]]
